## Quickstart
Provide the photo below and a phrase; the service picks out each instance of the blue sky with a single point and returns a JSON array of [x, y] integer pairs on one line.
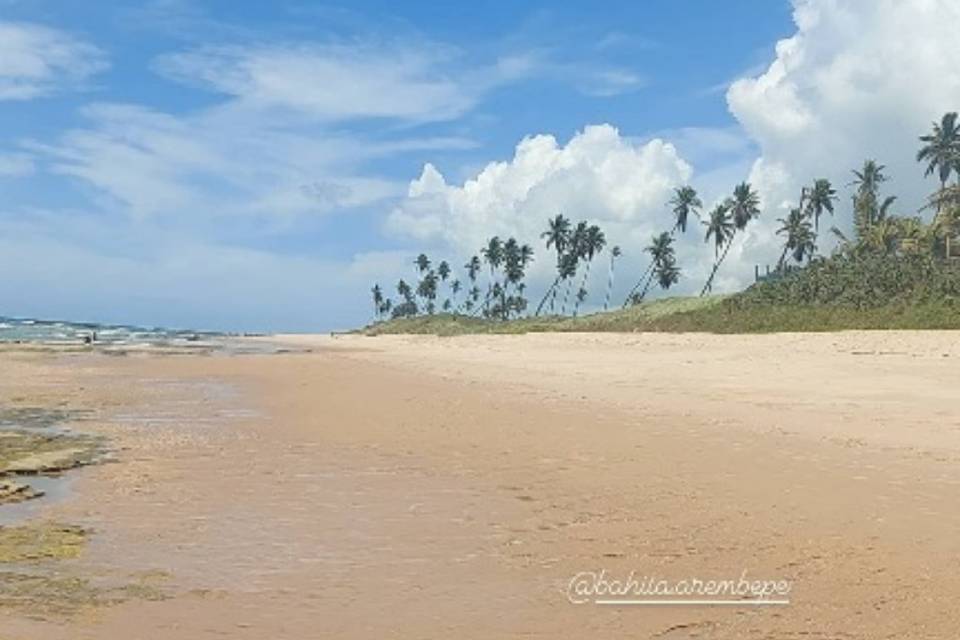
[[249, 165]]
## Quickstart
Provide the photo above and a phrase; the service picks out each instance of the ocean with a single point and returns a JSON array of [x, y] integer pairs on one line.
[[59, 332]]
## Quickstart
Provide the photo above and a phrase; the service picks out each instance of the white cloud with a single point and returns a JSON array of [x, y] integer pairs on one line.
[[599, 175], [16, 165], [223, 162], [610, 82], [37, 61], [342, 82], [858, 80]]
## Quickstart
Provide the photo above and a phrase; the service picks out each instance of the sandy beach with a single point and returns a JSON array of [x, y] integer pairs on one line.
[[422, 487]]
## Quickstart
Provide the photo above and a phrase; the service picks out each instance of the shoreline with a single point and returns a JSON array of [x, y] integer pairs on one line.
[[462, 482]]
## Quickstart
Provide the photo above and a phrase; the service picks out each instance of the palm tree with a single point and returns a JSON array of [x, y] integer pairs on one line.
[[684, 202], [473, 268], [865, 209], [455, 287], [593, 244], [427, 289], [377, 300], [744, 205], [576, 248], [661, 253], [493, 255], [941, 150], [737, 212], [614, 254], [516, 259], [667, 273], [820, 198], [443, 270], [721, 228], [557, 236], [409, 305], [799, 237], [422, 262], [567, 269]]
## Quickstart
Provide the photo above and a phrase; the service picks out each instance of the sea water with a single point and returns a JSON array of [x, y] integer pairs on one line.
[[63, 332]]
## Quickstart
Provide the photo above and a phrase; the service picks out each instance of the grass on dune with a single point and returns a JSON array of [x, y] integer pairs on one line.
[[844, 292], [713, 314], [637, 318]]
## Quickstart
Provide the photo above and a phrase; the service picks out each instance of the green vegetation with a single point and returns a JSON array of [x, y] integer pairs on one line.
[[894, 271]]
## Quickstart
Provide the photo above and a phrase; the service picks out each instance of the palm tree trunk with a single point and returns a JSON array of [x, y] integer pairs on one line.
[[783, 257], [643, 294], [709, 285], [606, 299], [552, 289], [638, 285], [486, 300], [503, 300], [583, 285], [566, 295]]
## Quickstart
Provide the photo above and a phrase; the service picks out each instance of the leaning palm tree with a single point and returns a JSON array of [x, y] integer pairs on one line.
[[740, 209], [941, 149], [799, 237], [567, 269], [593, 244], [820, 199], [557, 236], [793, 227], [720, 227], [614, 254], [684, 202], [661, 252]]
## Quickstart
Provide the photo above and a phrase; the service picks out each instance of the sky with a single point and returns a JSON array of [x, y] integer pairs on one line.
[[258, 166]]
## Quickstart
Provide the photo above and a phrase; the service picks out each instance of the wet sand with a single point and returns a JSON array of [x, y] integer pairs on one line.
[[416, 487]]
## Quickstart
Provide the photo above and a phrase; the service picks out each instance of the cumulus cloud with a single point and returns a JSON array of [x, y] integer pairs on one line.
[[857, 80], [598, 175], [37, 61]]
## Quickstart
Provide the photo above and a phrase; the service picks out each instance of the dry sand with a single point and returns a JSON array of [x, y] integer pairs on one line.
[[416, 487]]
